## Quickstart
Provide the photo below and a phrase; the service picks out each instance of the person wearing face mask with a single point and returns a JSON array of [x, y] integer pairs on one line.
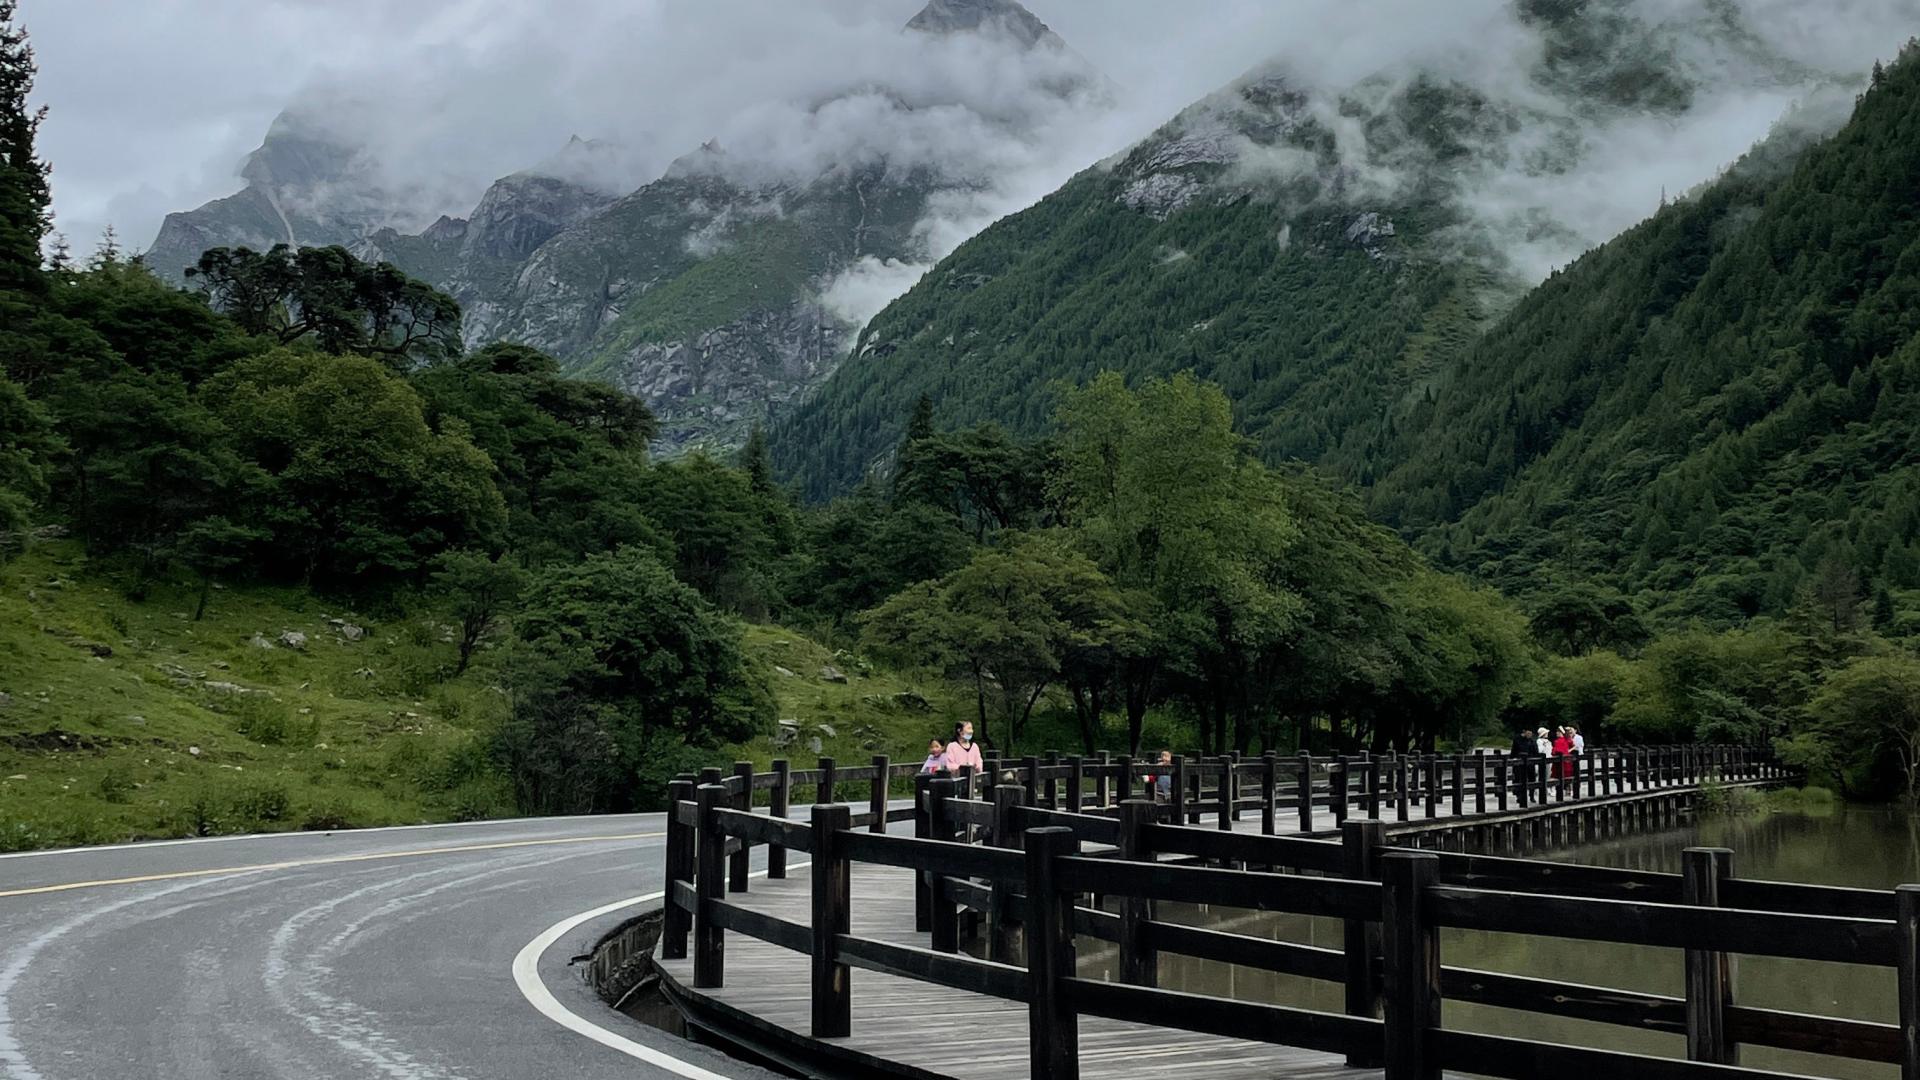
[[962, 751]]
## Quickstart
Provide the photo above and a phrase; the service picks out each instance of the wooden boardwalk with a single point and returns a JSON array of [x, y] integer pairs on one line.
[[908, 1027], [910, 1007]]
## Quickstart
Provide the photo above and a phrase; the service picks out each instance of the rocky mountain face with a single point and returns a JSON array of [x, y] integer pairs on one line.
[[716, 292], [304, 186], [1324, 252]]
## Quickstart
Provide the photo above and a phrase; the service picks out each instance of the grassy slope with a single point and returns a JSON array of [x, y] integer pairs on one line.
[[100, 749], [96, 749]]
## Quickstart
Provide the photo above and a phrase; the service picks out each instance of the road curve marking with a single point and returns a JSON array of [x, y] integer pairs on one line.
[[328, 860], [526, 975]]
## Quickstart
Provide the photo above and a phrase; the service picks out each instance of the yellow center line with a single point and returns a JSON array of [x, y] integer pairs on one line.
[[329, 860]]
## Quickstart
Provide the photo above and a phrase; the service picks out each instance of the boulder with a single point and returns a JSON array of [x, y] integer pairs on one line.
[[259, 641], [293, 639], [829, 673]]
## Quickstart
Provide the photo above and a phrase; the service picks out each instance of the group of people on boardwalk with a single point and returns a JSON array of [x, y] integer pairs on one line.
[[1561, 751], [956, 752]]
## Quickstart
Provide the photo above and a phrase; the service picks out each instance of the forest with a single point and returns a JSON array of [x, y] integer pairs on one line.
[[1132, 569]]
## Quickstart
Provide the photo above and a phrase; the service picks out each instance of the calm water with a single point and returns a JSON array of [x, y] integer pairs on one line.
[[1864, 848]]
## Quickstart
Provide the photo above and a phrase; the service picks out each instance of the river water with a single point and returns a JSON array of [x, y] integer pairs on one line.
[[1853, 846]]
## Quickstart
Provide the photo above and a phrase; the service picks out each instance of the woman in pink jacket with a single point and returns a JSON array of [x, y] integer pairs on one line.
[[962, 751]]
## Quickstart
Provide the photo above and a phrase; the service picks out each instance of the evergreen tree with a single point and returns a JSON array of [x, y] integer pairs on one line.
[[25, 197]]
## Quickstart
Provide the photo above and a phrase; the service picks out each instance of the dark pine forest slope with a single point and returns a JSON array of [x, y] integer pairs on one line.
[[1714, 407]]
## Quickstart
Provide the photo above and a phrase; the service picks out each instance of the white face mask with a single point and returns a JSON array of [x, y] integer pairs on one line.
[[966, 736]]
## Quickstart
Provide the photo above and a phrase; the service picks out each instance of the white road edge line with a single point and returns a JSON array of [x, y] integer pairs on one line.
[[526, 975]]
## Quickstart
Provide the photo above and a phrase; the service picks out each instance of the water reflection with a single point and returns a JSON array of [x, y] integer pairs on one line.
[[1858, 847]]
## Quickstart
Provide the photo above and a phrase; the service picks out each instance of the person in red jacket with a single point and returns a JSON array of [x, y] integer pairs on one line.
[[1563, 759]]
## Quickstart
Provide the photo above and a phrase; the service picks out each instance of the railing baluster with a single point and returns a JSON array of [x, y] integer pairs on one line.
[[777, 802], [709, 883], [1269, 792], [1361, 841], [923, 883], [877, 793], [831, 990], [1906, 903], [823, 792], [1411, 964], [1052, 1028], [676, 920], [1137, 961], [1709, 974], [1303, 793], [944, 915], [743, 801], [1007, 800]]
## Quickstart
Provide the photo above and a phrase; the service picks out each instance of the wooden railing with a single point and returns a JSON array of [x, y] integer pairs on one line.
[[1050, 869]]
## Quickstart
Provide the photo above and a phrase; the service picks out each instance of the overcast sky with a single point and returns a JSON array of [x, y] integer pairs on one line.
[[154, 102]]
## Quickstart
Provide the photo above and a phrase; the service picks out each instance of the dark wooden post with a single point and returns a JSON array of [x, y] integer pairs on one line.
[[1360, 843], [1007, 801], [877, 793], [1101, 786], [1123, 772], [1709, 974], [832, 991], [680, 867], [1337, 787], [777, 803], [1030, 775], [1906, 914], [943, 922], [1412, 964], [1431, 788], [1223, 797], [1197, 782], [1269, 792], [1137, 959], [1500, 778], [1233, 785], [1480, 782], [1545, 767], [1052, 1028], [1303, 793], [1076, 780], [923, 830], [742, 800], [1402, 797], [1177, 791], [823, 793], [1370, 795], [1459, 786], [709, 876]]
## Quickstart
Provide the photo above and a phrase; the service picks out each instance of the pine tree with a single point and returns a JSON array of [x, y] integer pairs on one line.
[[756, 462], [24, 194]]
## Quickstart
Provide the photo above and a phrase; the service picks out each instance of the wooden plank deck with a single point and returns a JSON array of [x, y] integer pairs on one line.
[[913, 1028]]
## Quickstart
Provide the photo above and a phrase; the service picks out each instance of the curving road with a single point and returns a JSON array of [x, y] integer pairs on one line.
[[380, 953]]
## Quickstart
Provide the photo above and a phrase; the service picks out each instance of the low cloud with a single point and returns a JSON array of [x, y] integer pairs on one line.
[[154, 109]]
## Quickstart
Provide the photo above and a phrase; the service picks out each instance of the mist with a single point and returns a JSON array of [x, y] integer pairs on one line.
[[154, 109]]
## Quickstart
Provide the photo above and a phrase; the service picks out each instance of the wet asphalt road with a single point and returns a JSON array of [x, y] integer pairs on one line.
[[380, 953]]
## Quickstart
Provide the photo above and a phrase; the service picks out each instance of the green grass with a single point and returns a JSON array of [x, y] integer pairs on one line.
[[190, 728], [187, 728]]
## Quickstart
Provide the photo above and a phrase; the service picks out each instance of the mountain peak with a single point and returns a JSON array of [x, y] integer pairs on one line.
[[983, 16]]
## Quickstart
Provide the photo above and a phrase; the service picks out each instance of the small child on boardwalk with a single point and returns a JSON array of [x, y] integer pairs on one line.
[[936, 757]]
